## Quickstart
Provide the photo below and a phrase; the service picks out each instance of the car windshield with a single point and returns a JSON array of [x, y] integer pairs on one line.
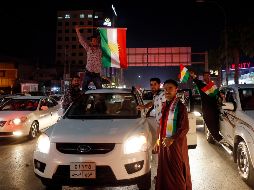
[[247, 98], [104, 105], [20, 105]]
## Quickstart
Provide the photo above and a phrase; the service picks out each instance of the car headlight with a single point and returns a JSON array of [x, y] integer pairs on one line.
[[197, 114], [18, 120], [137, 143], [43, 144]]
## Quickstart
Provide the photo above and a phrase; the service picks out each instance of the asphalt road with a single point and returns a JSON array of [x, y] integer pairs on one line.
[[212, 167]]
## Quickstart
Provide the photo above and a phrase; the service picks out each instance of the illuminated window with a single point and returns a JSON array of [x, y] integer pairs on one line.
[[82, 16], [89, 16], [96, 16], [60, 17], [67, 16]]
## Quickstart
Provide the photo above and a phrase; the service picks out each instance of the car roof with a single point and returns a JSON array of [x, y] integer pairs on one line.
[[237, 86], [29, 97], [109, 90]]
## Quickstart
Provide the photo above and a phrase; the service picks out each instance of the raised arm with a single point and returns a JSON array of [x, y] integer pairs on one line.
[[82, 40]]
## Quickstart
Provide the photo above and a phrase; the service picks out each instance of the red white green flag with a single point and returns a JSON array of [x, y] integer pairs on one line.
[[113, 45], [210, 89], [184, 74]]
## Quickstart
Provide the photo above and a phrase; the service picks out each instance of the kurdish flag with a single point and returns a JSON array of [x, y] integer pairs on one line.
[[113, 45], [184, 74], [210, 89]]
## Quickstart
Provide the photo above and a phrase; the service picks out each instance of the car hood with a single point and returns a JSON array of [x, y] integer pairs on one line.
[[95, 131], [8, 115], [250, 113], [247, 116]]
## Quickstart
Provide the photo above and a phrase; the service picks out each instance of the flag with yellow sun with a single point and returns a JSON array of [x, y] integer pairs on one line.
[[113, 45]]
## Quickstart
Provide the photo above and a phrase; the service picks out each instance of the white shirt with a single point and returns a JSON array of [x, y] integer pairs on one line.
[[158, 100]]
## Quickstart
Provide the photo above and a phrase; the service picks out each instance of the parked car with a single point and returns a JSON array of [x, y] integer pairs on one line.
[[27, 115], [237, 129], [101, 140]]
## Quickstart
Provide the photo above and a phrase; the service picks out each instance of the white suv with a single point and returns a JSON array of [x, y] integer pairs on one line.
[[237, 127], [101, 140]]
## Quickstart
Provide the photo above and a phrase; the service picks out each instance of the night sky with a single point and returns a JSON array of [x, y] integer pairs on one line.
[[28, 27]]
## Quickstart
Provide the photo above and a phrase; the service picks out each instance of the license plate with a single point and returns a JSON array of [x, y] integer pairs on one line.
[[85, 170]]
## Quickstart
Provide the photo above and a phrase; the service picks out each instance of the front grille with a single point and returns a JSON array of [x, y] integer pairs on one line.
[[2, 123], [85, 148], [104, 175]]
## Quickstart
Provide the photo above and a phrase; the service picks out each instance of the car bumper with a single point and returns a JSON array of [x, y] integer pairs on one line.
[[110, 167], [10, 131]]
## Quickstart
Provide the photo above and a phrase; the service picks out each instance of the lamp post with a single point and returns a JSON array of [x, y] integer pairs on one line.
[[225, 32]]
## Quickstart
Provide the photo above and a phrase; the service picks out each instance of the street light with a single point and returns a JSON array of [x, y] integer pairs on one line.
[[225, 32]]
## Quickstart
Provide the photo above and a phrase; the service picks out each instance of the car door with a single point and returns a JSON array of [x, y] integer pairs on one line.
[[44, 116], [53, 108], [227, 117]]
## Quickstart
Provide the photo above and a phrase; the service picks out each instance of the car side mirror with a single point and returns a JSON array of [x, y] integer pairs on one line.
[[228, 106], [44, 108]]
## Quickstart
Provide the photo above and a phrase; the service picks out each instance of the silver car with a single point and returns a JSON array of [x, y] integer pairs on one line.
[[236, 127], [27, 115]]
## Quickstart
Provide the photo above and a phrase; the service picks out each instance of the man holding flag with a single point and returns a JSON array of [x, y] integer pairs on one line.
[[109, 51], [93, 65], [209, 97]]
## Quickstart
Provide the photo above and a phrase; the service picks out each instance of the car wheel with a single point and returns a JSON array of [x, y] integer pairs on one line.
[[208, 135], [34, 130], [244, 164], [145, 183], [49, 185]]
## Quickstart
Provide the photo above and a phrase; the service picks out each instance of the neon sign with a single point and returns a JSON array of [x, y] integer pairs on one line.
[[244, 65]]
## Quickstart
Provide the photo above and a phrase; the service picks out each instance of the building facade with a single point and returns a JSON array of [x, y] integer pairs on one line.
[[8, 76]]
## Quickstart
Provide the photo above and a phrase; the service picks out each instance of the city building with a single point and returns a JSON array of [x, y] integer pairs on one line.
[[246, 73], [8, 76]]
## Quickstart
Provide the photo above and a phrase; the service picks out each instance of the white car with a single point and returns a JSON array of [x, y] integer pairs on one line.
[[27, 115], [237, 127], [101, 140]]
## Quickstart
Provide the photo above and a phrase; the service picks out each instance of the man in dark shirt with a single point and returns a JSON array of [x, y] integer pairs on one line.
[[73, 93]]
